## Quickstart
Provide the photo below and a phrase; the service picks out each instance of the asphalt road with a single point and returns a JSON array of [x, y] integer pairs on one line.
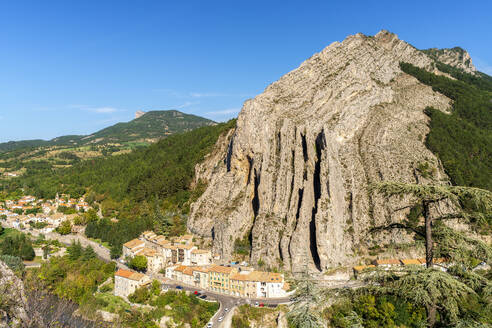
[[225, 301]]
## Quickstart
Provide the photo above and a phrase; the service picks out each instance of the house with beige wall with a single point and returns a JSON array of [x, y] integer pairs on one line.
[[131, 247], [155, 262], [200, 257], [126, 282]]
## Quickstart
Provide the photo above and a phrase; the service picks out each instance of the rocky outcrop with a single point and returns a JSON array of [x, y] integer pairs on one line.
[[293, 176], [32, 307], [139, 113], [456, 57], [12, 299]]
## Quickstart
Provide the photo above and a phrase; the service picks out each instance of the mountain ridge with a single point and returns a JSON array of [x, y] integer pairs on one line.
[[150, 123]]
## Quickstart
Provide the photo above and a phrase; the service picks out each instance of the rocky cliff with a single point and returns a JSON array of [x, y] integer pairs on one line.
[[456, 57], [31, 307], [292, 178], [13, 301]]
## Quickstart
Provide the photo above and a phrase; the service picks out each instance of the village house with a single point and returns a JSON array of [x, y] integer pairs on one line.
[[200, 277], [219, 278], [82, 206], [185, 239], [268, 284], [155, 262], [56, 219], [187, 276], [126, 282], [201, 257], [184, 253], [131, 247], [170, 253]]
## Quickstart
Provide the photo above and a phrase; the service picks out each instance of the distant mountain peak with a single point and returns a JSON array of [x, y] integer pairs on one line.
[[139, 113]]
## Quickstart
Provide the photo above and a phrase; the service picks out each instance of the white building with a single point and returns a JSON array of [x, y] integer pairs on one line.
[[131, 247], [126, 282], [200, 257], [155, 261]]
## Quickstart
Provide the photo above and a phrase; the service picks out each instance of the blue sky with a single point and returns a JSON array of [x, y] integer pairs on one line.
[[74, 67]]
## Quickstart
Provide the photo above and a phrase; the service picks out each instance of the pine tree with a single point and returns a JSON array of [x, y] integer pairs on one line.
[[161, 221], [431, 288], [307, 301]]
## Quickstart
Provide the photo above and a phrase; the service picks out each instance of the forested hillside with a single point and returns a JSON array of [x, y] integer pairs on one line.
[[36, 157], [153, 124], [147, 188], [161, 170], [462, 140]]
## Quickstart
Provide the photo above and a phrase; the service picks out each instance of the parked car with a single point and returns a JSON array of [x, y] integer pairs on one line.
[[262, 305], [195, 292], [179, 287], [209, 325], [203, 297], [256, 303], [226, 309], [221, 318]]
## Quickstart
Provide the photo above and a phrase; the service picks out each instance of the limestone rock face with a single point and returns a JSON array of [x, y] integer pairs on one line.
[[456, 57], [293, 176], [14, 303], [139, 113]]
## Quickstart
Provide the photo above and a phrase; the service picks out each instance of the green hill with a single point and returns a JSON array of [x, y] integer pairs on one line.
[[37, 156], [151, 125]]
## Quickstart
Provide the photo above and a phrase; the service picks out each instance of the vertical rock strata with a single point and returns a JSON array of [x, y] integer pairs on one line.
[[293, 176]]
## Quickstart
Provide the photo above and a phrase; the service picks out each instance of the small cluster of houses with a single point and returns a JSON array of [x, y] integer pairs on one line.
[[185, 263], [161, 252], [65, 201], [231, 280], [48, 211], [440, 263]]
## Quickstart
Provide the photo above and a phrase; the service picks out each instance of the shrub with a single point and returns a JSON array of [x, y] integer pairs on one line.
[[138, 263]]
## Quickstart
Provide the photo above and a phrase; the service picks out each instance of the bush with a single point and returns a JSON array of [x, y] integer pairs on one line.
[[140, 295], [13, 262], [65, 228], [18, 245], [138, 263], [66, 210]]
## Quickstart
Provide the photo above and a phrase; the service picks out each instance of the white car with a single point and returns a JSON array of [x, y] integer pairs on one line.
[[210, 325], [221, 318], [257, 304], [226, 309]]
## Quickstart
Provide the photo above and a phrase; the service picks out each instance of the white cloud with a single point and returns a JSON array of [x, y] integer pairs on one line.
[[224, 111], [103, 110], [206, 94], [186, 104], [198, 94], [99, 110]]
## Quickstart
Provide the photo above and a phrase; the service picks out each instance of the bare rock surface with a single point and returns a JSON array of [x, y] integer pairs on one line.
[[13, 299], [293, 176], [456, 57]]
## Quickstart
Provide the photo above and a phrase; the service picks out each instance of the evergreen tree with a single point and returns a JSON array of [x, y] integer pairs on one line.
[[75, 250], [438, 291], [88, 253]]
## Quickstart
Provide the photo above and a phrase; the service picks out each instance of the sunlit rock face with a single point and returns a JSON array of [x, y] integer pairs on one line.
[[293, 176]]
